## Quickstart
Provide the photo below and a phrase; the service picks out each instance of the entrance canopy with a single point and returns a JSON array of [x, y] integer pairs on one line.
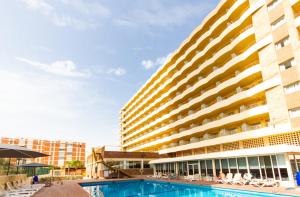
[[268, 150]]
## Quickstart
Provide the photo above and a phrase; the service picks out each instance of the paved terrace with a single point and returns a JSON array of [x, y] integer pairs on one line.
[[69, 188]]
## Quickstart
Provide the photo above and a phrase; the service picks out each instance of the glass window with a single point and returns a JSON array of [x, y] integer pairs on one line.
[[295, 112], [146, 164], [292, 87], [254, 167], [287, 64], [203, 168], [242, 165], [209, 167], [275, 167], [282, 43], [224, 164], [273, 4], [278, 22], [182, 169], [233, 165], [268, 166], [282, 167], [262, 166], [218, 167]]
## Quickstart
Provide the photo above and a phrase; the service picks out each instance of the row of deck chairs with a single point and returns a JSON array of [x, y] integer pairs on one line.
[[246, 179], [160, 175], [237, 178], [19, 189]]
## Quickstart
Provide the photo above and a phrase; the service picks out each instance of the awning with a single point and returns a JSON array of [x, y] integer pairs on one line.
[[268, 150]]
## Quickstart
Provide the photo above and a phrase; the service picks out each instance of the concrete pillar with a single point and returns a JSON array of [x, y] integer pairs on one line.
[[142, 164], [124, 164], [289, 170], [214, 168], [176, 169]]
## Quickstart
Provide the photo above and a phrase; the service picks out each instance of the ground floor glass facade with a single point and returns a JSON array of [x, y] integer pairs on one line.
[[269, 166]]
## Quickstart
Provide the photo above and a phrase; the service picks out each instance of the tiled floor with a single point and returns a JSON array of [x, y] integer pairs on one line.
[[67, 189], [70, 188]]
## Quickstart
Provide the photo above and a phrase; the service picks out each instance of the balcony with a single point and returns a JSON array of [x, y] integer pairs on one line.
[[200, 98], [233, 119], [203, 66], [246, 14], [236, 98]]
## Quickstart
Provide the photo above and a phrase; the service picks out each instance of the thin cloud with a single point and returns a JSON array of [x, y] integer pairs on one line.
[[157, 13], [151, 64], [117, 71], [66, 13], [61, 67]]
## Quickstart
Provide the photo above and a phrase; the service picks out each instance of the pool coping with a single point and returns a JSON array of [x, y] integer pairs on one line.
[[192, 184]]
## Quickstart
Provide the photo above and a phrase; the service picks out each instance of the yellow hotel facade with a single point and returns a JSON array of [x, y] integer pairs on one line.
[[228, 99]]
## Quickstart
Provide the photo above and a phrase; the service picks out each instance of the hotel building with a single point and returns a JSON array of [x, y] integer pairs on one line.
[[60, 151], [228, 99]]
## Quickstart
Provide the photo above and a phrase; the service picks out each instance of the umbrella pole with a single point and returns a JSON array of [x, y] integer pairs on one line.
[[8, 166], [17, 166]]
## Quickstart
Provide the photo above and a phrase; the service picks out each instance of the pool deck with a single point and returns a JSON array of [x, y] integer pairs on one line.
[[69, 188]]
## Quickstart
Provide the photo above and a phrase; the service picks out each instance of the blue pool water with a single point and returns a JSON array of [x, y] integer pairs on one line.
[[163, 189]]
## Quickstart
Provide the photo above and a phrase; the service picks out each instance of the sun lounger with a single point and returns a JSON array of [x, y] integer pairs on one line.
[[13, 193], [188, 177], [172, 176], [195, 177], [227, 179], [236, 179], [20, 191], [246, 179], [269, 183], [256, 182]]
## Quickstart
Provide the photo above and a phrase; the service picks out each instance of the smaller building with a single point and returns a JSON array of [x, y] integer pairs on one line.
[[61, 152], [103, 163]]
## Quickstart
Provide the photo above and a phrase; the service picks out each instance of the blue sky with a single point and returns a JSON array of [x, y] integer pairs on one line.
[[68, 66]]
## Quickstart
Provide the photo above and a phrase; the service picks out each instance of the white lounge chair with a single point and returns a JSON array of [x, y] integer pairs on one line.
[[195, 177], [13, 193], [236, 179], [20, 191], [270, 183], [228, 178], [246, 179], [256, 182]]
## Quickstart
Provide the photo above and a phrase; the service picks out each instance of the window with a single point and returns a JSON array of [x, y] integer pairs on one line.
[[292, 87], [254, 167], [287, 64], [278, 22], [242, 165], [282, 43], [273, 4], [295, 112]]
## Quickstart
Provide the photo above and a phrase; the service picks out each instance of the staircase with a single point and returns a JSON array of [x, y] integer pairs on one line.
[[99, 159]]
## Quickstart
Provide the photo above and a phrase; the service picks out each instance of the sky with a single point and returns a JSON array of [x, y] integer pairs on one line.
[[68, 66]]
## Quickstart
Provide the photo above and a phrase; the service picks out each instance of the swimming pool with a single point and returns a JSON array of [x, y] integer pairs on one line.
[[133, 188]]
